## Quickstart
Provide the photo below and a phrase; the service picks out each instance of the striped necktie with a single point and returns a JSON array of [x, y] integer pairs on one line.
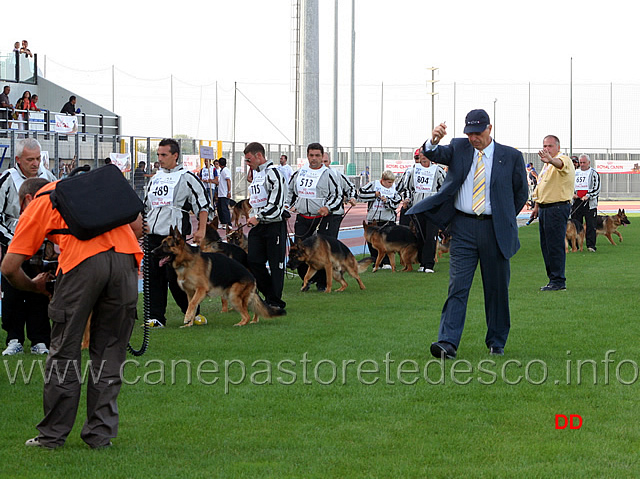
[[478, 205]]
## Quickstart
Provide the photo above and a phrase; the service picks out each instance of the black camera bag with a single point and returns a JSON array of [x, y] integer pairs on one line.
[[95, 202]]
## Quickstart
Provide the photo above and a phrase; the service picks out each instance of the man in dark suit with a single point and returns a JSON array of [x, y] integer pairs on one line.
[[485, 189]]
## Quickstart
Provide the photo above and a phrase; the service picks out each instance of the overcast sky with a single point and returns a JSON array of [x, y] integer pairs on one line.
[[201, 42]]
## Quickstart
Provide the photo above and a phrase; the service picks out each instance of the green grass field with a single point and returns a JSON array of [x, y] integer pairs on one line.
[[338, 387]]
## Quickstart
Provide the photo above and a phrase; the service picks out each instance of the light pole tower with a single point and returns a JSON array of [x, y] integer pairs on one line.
[[433, 94]]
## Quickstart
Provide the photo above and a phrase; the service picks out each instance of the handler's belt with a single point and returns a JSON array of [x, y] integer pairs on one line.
[[549, 205], [311, 217], [475, 217]]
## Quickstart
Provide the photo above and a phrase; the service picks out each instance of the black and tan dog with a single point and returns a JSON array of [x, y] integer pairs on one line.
[[328, 254], [237, 237], [213, 274], [608, 225], [392, 239], [239, 210], [574, 235], [444, 242]]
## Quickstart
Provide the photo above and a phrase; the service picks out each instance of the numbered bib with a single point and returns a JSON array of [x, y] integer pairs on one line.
[[307, 182], [258, 191], [423, 178], [386, 192], [162, 188], [582, 179]]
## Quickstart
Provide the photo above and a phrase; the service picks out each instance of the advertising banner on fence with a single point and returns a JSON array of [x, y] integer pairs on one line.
[[191, 163], [121, 160], [36, 120], [397, 166], [603, 166], [66, 124]]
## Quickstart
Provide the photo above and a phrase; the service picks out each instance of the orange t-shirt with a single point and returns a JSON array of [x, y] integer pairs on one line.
[[40, 218]]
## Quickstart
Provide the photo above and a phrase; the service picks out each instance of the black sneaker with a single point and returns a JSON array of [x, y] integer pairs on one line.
[[496, 351]]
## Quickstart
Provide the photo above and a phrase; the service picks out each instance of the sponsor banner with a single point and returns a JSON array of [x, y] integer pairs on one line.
[[121, 160], [207, 152], [397, 166], [36, 120], [191, 163], [66, 124], [603, 166]]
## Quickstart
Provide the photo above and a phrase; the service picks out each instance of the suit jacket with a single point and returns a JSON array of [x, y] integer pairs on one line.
[[508, 189]]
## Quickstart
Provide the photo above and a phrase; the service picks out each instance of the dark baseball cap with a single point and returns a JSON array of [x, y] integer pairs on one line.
[[476, 121]]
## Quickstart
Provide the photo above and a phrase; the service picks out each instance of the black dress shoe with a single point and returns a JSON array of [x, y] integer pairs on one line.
[[553, 287], [443, 349], [496, 351]]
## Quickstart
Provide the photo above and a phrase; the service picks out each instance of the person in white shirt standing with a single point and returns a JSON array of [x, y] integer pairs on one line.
[[224, 192], [285, 168]]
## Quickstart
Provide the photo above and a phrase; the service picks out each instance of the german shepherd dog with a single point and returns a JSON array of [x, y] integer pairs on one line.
[[608, 225], [240, 209], [213, 274], [444, 242], [574, 235], [212, 243], [392, 239], [237, 237], [329, 254]]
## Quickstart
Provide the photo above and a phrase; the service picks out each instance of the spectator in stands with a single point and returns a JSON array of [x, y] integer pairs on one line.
[[6, 105], [25, 49], [107, 160], [69, 108], [34, 100], [16, 47]]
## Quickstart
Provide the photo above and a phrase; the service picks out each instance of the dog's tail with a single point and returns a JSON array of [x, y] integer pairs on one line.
[[364, 263], [262, 309]]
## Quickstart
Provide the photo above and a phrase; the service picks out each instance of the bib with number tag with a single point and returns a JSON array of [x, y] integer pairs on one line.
[[307, 182], [423, 178], [386, 192], [162, 188], [258, 191]]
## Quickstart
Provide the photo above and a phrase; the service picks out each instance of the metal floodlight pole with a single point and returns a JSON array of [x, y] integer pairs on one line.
[[335, 83], [353, 73], [433, 95]]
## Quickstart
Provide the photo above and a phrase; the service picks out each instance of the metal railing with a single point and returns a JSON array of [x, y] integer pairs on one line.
[[45, 120], [16, 67], [88, 148]]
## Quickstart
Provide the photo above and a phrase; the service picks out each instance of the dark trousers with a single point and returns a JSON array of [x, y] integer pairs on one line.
[[553, 229], [159, 279], [474, 240], [583, 214], [330, 225], [427, 234], [372, 250], [106, 284], [22, 308], [305, 227], [223, 211], [404, 219], [268, 243]]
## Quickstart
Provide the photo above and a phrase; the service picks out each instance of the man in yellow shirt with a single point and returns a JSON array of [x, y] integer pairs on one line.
[[552, 196]]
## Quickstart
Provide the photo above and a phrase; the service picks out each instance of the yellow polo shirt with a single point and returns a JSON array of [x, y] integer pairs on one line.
[[555, 185]]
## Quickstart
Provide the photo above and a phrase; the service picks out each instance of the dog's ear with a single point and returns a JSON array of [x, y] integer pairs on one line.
[[215, 222], [364, 224], [228, 229], [290, 242]]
